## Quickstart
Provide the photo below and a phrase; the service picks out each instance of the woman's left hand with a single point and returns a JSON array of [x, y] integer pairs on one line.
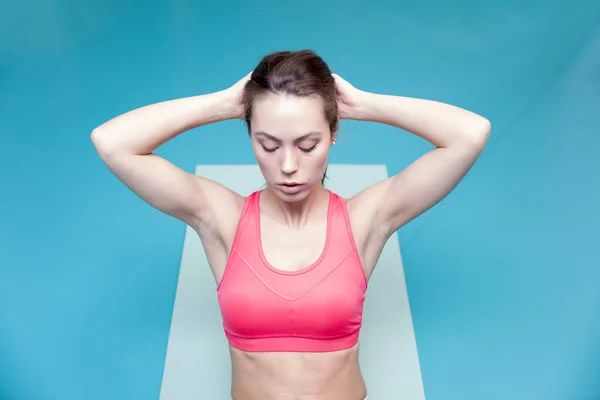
[[349, 99]]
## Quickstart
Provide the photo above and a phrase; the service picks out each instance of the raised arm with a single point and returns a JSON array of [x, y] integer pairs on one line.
[[458, 135], [126, 144]]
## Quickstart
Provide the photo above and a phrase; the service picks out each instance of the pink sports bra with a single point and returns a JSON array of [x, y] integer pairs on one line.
[[316, 309]]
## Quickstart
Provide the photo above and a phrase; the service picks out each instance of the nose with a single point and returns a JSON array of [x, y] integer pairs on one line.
[[290, 163]]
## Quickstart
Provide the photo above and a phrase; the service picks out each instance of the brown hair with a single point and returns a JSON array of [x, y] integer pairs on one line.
[[299, 73]]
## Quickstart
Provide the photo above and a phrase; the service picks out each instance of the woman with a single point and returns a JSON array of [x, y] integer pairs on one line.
[[292, 261]]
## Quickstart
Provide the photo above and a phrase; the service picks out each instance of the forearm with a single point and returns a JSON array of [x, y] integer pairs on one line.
[[440, 124], [142, 130]]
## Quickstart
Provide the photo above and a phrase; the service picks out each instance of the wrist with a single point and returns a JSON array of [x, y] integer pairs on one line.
[[227, 105], [366, 106]]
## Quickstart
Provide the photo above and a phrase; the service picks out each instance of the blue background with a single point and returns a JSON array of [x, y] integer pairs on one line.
[[502, 275]]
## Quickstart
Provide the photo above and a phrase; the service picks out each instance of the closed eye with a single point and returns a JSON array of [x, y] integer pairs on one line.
[[269, 150], [308, 150]]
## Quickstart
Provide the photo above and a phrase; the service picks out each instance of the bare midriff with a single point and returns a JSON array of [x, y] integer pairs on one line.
[[297, 376]]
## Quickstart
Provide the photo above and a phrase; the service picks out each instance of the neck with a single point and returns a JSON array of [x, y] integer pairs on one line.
[[298, 213]]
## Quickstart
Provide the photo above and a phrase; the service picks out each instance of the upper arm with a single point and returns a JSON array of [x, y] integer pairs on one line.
[[403, 197], [164, 186]]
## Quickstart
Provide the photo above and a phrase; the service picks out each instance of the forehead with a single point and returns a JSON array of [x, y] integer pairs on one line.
[[287, 115]]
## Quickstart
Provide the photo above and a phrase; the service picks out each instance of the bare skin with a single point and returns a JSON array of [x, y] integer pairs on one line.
[[322, 376], [291, 141]]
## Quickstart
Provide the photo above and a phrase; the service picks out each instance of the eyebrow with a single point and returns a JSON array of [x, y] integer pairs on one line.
[[301, 138]]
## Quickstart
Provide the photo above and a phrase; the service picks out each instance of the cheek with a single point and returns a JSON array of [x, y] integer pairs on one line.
[[318, 163], [323, 156], [266, 164]]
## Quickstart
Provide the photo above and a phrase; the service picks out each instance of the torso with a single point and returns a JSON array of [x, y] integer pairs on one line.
[[294, 376]]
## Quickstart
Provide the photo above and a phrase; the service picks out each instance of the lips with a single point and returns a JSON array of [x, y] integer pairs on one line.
[[290, 187]]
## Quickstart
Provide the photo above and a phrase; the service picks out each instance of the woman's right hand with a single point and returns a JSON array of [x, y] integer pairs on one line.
[[236, 94]]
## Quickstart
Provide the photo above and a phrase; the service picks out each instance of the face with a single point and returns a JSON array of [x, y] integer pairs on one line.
[[291, 141]]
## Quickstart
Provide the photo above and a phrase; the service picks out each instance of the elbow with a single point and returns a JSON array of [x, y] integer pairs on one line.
[[486, 127], [101, 142], [485, 130], [479, 132], [97, 138]]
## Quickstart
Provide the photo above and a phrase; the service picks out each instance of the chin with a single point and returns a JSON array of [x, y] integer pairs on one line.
[[292, 194]]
